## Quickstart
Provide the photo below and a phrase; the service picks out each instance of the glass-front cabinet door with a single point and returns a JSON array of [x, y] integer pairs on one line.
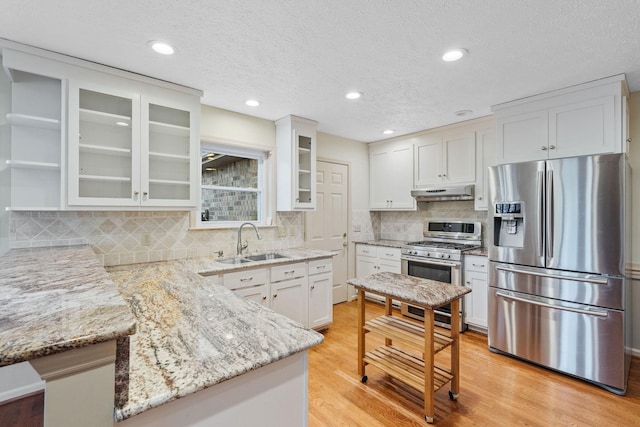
[[169, 151], [129, 149], [104, 146]]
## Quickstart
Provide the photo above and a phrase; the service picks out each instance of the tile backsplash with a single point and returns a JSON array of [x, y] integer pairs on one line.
[[133, 237], [408, 225]]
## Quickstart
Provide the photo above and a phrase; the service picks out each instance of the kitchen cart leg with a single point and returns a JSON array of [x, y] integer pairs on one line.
[[388, 312], [455, 349], [429, 409], [361, 335]]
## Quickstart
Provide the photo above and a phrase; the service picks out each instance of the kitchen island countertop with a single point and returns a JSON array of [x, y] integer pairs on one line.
[[57, 299], [193, 334]]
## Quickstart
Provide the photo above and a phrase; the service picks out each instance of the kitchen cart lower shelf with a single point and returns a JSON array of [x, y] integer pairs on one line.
[[409, 349], [406, 367]]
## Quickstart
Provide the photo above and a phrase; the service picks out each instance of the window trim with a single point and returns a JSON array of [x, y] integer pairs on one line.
[[266, 169]]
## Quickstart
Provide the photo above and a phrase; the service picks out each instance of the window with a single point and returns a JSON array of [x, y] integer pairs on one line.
[[232, 185]]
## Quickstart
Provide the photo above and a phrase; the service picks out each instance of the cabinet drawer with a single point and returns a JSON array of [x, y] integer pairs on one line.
[[391, 254], [476, 263], [319, 266], [367, 250], [245, 278], [287, 271]]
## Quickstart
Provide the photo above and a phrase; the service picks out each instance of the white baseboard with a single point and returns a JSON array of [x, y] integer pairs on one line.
[[19, 380]]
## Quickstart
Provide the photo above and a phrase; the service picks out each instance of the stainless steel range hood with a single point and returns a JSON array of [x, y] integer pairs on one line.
[[441, 194]]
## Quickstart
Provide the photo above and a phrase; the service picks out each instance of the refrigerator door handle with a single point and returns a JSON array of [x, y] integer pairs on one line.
[[540, 190], [591, 312], [594, 280], [549, 215]]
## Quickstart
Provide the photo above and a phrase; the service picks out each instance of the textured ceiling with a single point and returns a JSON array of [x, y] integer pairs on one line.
[[301, 57]]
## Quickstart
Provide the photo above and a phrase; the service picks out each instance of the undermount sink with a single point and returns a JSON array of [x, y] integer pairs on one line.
[[233, 261], [264, 257]]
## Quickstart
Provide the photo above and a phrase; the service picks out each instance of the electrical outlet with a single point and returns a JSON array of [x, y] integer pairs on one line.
[[357, 228], [146, 239]]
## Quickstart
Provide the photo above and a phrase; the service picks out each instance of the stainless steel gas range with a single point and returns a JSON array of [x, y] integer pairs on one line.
[[439, 257]]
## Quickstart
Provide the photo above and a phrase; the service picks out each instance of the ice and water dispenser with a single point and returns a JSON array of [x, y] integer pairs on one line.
[[508, 224]]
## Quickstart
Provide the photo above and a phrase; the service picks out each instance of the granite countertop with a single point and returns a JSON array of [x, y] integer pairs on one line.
[[482, 251], [210, 266], [383, 242], [422, 292], [57, 299], [193, 334]]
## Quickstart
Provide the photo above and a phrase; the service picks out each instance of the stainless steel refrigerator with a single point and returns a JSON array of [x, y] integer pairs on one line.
[[559, 245]]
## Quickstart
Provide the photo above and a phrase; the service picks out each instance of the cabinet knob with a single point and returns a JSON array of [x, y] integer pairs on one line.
[[136, 193], [439, 175], [275, 295], [313, 287], [264, 298], [543, 148], [145, 193], [479, 197], [444, 175], [468, 283], [552, 147]]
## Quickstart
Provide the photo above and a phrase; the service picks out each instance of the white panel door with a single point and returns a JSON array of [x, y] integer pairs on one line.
[[326, 227]]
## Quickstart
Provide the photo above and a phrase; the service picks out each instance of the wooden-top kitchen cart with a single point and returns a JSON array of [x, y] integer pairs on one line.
[[400, 334]]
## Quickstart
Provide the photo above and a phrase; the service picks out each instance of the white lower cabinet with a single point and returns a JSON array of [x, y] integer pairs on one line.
[[320, 293], [289, 291], [301, 291], [372, 259], [475, 277], [259, 294]]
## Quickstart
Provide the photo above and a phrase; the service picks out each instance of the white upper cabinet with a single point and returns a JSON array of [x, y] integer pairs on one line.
[[391, 176], [580, 120], [296, 164], [31, 139], [485, 158], [445, 158], [129, 149]]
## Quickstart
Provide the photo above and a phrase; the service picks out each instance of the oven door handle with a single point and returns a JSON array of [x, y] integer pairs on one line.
[[599, 313], [430, 262]]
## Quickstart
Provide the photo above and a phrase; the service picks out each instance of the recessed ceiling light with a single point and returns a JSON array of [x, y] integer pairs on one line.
[[353, 95], [388, 131], [162, 47], [122, 124], [461, 113], [252, 102], [209, 169], [454, 54]]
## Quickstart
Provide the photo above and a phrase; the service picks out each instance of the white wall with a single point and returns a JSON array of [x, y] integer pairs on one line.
[[231, 126]]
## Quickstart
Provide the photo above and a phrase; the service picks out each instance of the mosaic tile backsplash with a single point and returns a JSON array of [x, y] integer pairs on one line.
[[133, 237]]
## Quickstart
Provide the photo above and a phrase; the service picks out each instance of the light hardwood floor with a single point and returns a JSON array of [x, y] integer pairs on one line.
[[495, 390]]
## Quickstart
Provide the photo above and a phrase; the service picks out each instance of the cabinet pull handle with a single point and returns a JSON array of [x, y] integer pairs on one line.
[[552, 147], [248, 279], [477, 265], [543, 148]]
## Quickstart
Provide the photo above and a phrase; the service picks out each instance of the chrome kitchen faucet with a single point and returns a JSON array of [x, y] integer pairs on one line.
[[244, 245]]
